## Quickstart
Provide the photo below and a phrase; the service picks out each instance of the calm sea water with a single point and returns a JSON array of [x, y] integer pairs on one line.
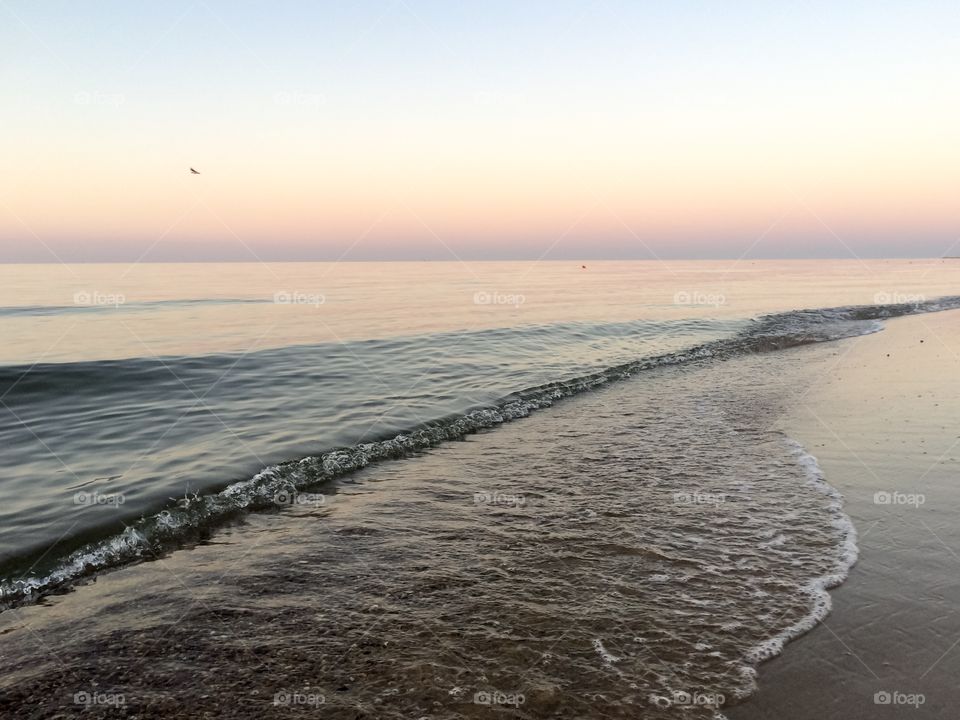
[[130, 389], [631, 552], [149, 406]]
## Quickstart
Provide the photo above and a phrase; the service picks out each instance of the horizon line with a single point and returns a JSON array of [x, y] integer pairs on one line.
[[460, 261]]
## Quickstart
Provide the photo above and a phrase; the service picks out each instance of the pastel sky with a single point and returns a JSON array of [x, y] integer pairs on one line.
[[435, 129]]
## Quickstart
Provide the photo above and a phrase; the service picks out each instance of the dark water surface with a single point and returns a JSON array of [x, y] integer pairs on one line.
[[633, 552], [139, 401]]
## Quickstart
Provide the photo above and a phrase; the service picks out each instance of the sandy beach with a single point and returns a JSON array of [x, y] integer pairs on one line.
[[882, 421]]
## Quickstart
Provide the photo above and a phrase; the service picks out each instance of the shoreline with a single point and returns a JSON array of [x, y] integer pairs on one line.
[[346, 573], [818, 588], [171, 527], [880, 421]]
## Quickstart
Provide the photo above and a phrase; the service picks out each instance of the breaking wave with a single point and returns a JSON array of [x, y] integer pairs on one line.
[[195, 516]]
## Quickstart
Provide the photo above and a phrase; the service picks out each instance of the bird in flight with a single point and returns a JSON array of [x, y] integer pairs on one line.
[[194, 172]]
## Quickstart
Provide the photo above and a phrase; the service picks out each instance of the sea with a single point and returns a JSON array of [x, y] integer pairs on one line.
[[556, 488]]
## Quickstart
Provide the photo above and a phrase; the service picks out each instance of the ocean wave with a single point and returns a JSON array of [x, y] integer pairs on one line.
[[194, 516], [84, 303]]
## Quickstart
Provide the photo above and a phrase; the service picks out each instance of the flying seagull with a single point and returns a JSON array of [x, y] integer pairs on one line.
[[194, 172]]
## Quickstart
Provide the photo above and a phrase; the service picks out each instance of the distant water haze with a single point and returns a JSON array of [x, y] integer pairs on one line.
[[58, 313]]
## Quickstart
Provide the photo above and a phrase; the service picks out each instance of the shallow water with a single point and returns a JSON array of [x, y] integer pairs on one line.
[[634, 551]]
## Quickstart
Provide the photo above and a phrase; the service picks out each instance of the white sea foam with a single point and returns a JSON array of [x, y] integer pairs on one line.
[[608, 658], [816, 590]]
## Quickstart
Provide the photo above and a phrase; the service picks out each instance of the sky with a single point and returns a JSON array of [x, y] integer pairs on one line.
[[445, 129]]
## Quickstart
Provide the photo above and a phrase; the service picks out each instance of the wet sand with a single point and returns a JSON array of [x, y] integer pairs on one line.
[[883, 418]]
